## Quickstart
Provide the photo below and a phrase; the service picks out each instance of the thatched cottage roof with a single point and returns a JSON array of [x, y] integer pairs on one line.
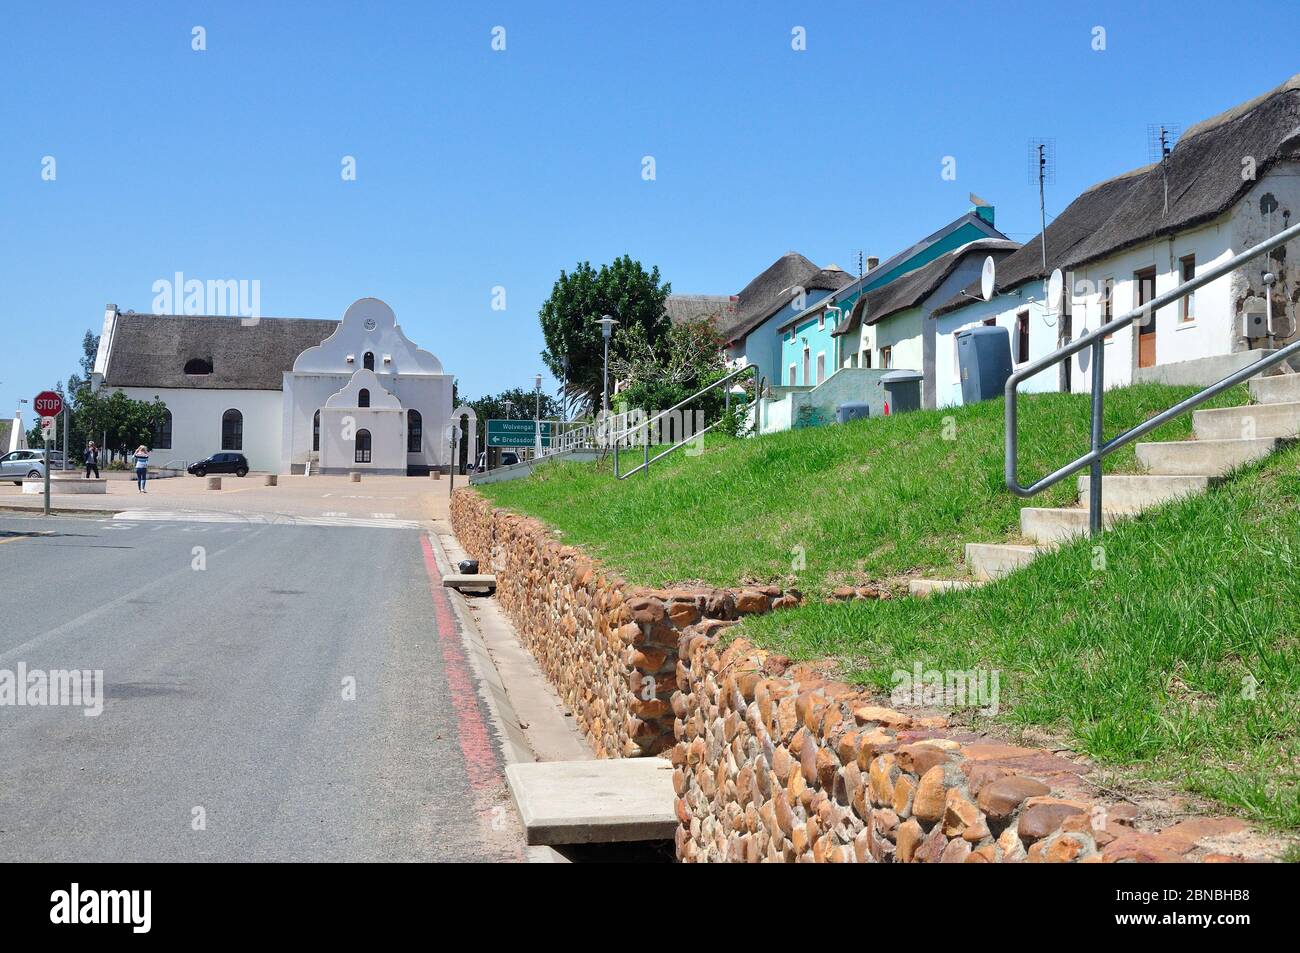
[[151, 350], [1204, 177]]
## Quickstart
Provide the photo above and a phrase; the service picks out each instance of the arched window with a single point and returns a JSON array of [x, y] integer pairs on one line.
[[368, 362], [363, 398], [363, 446], [315, 433], [162, 431], [414, 432], [197, 365], [232, 430]]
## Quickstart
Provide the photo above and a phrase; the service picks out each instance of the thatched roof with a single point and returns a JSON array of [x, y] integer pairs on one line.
[[912, 288], [1204, 176], [687, 309], [151, 350], [774, 288]]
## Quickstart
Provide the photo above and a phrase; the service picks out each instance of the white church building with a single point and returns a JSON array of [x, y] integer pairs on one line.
[[288, 393]]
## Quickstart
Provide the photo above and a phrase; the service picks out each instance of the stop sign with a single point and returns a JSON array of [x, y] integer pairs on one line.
[[48, 404]]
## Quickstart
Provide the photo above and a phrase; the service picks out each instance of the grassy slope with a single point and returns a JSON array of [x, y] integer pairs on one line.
[[1147, 662], [870, 500]]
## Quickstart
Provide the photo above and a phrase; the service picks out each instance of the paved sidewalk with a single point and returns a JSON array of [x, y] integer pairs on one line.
[[375, 497]]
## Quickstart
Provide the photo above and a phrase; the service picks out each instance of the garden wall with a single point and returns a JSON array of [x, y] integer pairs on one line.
[[609, 648], [777, 763]]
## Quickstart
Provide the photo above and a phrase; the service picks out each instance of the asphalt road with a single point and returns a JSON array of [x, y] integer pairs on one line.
[[224, 698]]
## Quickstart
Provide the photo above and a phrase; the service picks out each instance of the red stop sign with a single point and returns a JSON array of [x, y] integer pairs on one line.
[[48, 404]]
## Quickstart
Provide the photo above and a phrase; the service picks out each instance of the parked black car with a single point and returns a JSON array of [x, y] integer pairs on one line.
[[235, 463]]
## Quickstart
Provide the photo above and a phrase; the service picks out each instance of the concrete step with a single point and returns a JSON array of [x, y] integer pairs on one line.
[[1249, 422], [1281, 389], [1203, 457], [594, 802], [1131, 494], [1054, 525], [928, 587], [994, 560]]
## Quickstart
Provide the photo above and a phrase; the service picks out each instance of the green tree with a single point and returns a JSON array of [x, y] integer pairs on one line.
[[655, 377], [622, 289]]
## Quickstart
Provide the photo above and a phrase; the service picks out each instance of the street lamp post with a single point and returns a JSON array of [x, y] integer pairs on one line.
[[606, 329], [537, 418]]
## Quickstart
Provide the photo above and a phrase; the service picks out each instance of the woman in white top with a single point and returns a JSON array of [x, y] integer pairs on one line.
[[141, 467]]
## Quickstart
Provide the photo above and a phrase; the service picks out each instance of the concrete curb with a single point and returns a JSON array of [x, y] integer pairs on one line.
[[511, 740]]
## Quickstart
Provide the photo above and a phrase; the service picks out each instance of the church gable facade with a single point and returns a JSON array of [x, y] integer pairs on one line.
[[286, 392]]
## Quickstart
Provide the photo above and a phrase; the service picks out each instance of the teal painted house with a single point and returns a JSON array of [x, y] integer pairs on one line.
[[856, 343], [824, 337]]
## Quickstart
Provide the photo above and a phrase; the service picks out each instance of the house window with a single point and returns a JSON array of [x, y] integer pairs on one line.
[[363, 447], [821, 321], [1022, 337], [886, 358], [162, 431], [1187, 271], [315, 433], [866, 359], [792, 375], [232, 430], [990, 322], [1108, 303], [821, 366], [368, 362], [414, 431], [363, 398], [197, 365]]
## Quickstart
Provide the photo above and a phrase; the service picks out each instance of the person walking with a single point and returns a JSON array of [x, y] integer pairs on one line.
[[141, 467], [92, 460]]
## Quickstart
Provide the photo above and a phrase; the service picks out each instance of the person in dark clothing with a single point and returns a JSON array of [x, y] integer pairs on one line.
[[92, 460]]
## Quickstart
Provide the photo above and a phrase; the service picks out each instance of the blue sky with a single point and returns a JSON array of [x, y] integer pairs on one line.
[[478, 169]]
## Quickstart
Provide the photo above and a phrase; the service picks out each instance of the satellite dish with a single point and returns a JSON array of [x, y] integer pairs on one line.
[[1055, 285], [987, 278]]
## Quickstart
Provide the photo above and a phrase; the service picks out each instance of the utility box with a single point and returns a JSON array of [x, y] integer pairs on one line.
[[852, 410], [1254, 324], [984, 361], [902, 391]]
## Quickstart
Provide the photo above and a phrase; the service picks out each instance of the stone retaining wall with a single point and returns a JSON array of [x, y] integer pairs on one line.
[[776, 763], [609, 648]]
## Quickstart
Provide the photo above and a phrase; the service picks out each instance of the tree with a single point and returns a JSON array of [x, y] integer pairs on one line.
[[657, 377], [622, 289]]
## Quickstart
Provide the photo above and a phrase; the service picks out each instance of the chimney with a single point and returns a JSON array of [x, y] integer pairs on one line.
[[872, 263]]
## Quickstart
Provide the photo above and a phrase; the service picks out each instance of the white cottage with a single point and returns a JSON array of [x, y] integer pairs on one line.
[[355, 394], [1229, 183]]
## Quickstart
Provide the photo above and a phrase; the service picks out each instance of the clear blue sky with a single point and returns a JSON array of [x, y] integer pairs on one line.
[[478, 168]]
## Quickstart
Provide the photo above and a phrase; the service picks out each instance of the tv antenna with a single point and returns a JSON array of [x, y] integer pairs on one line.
[[1042, 169], [1161, 137]]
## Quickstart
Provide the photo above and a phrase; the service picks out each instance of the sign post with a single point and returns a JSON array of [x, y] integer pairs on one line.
[[537, 434], [48, 406]]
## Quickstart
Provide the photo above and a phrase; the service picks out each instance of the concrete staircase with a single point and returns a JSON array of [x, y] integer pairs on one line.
[[1226, 438]]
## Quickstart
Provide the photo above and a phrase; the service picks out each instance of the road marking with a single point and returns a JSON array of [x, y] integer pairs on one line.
[[6, 538], [472, 732], [383, 516], [383, 521]]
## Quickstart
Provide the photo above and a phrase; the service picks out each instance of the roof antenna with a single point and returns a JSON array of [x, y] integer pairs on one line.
[[1160, 142], [1042, 166]]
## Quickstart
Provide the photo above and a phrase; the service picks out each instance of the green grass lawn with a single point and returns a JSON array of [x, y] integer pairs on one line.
[[1180, 658], [873, 500]]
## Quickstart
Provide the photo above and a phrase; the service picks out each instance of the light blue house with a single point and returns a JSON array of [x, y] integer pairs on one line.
[[786, 288]]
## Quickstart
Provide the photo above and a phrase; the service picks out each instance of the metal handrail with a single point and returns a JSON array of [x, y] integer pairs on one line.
[[645, 424], [1096, 340]]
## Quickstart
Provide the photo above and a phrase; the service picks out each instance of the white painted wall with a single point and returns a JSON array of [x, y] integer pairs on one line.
[[1215, 329], [196, 422]]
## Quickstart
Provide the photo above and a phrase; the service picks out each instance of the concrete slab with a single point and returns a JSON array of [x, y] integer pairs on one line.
[[594, 802], [478, 581]]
